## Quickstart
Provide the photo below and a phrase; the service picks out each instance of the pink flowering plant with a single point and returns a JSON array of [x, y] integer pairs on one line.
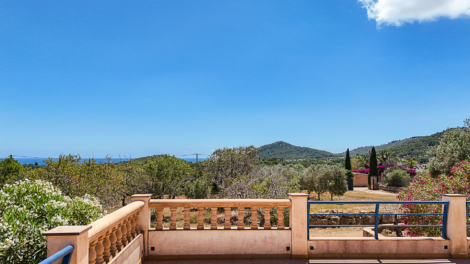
[[426, 188]]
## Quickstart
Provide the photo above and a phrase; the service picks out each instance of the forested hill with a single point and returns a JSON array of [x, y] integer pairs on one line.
[[395, 143], [418, 148], [286, 151], [415, 147]]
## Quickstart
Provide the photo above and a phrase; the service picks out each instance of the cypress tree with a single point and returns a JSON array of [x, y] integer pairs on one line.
[[349, 174], [348, 161], [373, 164]]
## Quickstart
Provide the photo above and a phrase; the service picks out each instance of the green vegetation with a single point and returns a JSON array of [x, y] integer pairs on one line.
[[10, 171], [397, 178], [324, 178], [393, 144], [289, 152], [28, 208], [373, 164], [453, 147]]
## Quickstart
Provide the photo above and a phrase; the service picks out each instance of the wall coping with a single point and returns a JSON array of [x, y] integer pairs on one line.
[[297, 194], [67, 230], [141, 195], [372, 238], [455, 195]]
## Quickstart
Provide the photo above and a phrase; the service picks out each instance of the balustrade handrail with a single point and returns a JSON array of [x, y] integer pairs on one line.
[[163, 203], [227, 204], [64, 253], [101, 225]]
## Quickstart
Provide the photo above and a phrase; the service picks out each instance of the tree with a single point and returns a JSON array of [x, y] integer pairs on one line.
[[167, 174], [347, 162], [453, 147], [373, 164], [336, 176], [385, 157], [349, 173], [410, 162], [10, 169], [314, 180], [225, 165]]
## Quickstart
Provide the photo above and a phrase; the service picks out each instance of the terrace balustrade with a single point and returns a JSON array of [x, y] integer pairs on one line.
[[126, 235], [241, 205]]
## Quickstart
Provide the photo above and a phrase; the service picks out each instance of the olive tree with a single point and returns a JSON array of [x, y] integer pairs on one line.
[[227, 164], [167, 175], [453, 147], [314, 180]]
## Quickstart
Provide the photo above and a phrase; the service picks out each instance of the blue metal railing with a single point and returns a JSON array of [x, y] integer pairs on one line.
[[66, 253], [377, 213]]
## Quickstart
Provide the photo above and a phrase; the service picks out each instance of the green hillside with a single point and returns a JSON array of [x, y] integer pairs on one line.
[[395, 143], [414, 146], [286, 151]]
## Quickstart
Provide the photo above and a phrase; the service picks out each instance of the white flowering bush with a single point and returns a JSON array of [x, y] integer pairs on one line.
[[29, 208]]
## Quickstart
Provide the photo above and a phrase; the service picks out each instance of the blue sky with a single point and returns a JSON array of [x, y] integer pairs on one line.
[[137, 78]]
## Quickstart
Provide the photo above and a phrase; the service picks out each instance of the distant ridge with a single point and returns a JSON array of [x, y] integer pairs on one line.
[[413, 146], [286, 151], [395, 143]]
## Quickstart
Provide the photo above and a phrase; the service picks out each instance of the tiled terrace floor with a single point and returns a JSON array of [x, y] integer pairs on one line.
[[305, 261]]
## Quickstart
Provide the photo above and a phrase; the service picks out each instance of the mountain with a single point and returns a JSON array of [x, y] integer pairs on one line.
[[395, 143], [414, 146], [286, 151]]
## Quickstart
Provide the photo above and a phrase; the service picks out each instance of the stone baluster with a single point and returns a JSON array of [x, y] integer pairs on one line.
[[280, 217], [124, 234], [119, 238], [187, 217], [99, 251], [92, 252], [214, 218], [254, 218], [227, 218], [107, 247], [129, 230], [200, 218], [136, 224], [267, 218], [173, 218], [132, 223], [159, 219], [241, 217], [113, 240]]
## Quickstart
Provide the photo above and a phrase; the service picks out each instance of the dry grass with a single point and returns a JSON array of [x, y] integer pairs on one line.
[[351, 196]]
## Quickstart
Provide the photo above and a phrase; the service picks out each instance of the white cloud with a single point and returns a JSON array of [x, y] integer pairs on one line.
[[397, 12]]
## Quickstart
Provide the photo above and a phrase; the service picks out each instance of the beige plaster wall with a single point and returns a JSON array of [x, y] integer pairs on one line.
[[132, 254], [360, 180], [219, 243], [337, 247]]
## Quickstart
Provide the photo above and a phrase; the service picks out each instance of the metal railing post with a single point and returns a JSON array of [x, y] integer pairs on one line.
[[444, 221], [377, 220]]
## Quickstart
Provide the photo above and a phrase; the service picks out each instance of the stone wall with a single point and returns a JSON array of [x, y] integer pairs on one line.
[[386, 188], [350, 219]]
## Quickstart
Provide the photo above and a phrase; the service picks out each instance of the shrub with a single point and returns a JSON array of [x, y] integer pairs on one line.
[[29, 208], [198, 189], [426, 188], [397, 178]]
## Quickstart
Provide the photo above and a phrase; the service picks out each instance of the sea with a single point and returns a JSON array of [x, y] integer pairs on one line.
[[40, 161]]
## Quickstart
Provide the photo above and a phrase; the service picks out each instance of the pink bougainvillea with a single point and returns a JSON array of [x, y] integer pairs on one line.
[[426, 188]]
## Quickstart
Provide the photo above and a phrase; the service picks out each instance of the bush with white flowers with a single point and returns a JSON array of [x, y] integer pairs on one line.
[[29, 208]]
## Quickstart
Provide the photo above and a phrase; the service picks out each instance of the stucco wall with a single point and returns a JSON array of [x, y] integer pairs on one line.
[[386, 247], [219, 243], [132, 254], [360, 180]]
